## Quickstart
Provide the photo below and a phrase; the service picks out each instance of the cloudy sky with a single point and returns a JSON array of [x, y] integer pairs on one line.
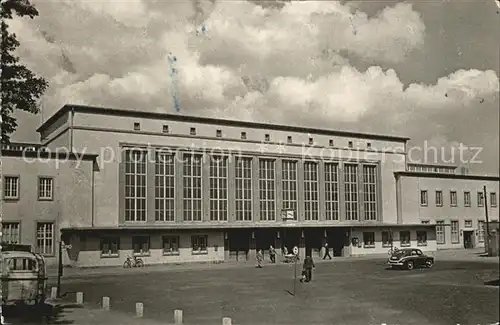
[[424, 69]]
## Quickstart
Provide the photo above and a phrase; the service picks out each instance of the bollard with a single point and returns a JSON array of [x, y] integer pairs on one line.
[[226, 321], [139, 309], [79, 298], [178, 316], [105, 303], [53, 293]]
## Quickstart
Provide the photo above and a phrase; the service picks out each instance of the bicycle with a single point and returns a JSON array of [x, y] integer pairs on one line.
[[133, 262]]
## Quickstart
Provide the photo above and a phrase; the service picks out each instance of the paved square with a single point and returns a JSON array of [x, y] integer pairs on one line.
[[346, 292]]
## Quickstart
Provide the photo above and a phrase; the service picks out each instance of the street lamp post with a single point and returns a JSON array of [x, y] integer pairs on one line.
[[59, 269], [60, 265]]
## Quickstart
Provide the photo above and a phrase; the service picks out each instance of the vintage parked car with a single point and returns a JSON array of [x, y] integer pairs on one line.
[[24, 276], [410, 258]]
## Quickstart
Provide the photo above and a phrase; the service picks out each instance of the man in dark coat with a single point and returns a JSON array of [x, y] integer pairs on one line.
[[327, 252], [307, 268], [272, 254]]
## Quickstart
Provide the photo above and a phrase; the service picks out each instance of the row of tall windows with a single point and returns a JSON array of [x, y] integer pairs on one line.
[[360, 188]]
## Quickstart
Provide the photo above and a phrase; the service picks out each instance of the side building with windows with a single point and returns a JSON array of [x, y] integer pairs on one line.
[[44, 191], [455, 203]]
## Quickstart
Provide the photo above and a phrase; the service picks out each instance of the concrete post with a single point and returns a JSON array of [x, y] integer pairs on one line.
[[226, 321], [105, 303], [79, 298], [178, 317], [53, 293], [139, 309]]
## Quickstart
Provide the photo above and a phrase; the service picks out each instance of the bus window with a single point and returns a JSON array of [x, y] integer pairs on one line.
[[21, 264]]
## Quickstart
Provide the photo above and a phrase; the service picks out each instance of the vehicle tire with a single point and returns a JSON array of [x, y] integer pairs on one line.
[[139, 263], [127, 264], [429, 263], [409, 265]]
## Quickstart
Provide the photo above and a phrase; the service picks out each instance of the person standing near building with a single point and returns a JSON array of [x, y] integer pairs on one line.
[[272, 254], [307, 269], [327, 252], [260, 257]]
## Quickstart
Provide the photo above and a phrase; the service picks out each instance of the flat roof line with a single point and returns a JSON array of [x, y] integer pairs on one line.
[[447, 176], [49, 154], [208, 120], [432, 165]]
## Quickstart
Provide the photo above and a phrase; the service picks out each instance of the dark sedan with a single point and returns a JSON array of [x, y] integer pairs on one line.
[[410, 258]]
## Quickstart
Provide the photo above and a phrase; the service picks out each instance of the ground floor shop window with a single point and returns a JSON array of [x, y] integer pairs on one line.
[[368, 239], [404, 238], [170, 245], [386, 239], [480, 231], [199, 244], [455, 238], [422, 238], [45, 238], [141, 245], [110, 246], [440, 235], [10, 232]]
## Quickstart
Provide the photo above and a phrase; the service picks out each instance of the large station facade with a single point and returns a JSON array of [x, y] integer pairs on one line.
[[169, 188]]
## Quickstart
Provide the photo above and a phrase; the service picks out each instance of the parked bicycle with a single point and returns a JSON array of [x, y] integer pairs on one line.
[[133, 262]]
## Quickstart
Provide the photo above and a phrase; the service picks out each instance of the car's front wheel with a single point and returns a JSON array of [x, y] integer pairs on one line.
[[429, 263], [409, 265]]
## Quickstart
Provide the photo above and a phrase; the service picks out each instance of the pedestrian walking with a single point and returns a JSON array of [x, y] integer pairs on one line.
[[260, 257], [272, 254], [307, 269], [327, 252]]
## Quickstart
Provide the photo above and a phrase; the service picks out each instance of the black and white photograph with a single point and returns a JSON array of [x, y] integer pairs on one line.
[[250, 162]]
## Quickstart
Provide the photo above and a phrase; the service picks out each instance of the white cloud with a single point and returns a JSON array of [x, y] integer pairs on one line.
[[288, 65], [129, 13]]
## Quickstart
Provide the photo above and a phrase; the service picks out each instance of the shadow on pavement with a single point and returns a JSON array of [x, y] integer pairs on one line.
[[397, 269], [493, 283], [37, 315]]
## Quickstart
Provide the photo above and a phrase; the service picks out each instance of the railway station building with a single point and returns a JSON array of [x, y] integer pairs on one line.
[[109, 183]]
